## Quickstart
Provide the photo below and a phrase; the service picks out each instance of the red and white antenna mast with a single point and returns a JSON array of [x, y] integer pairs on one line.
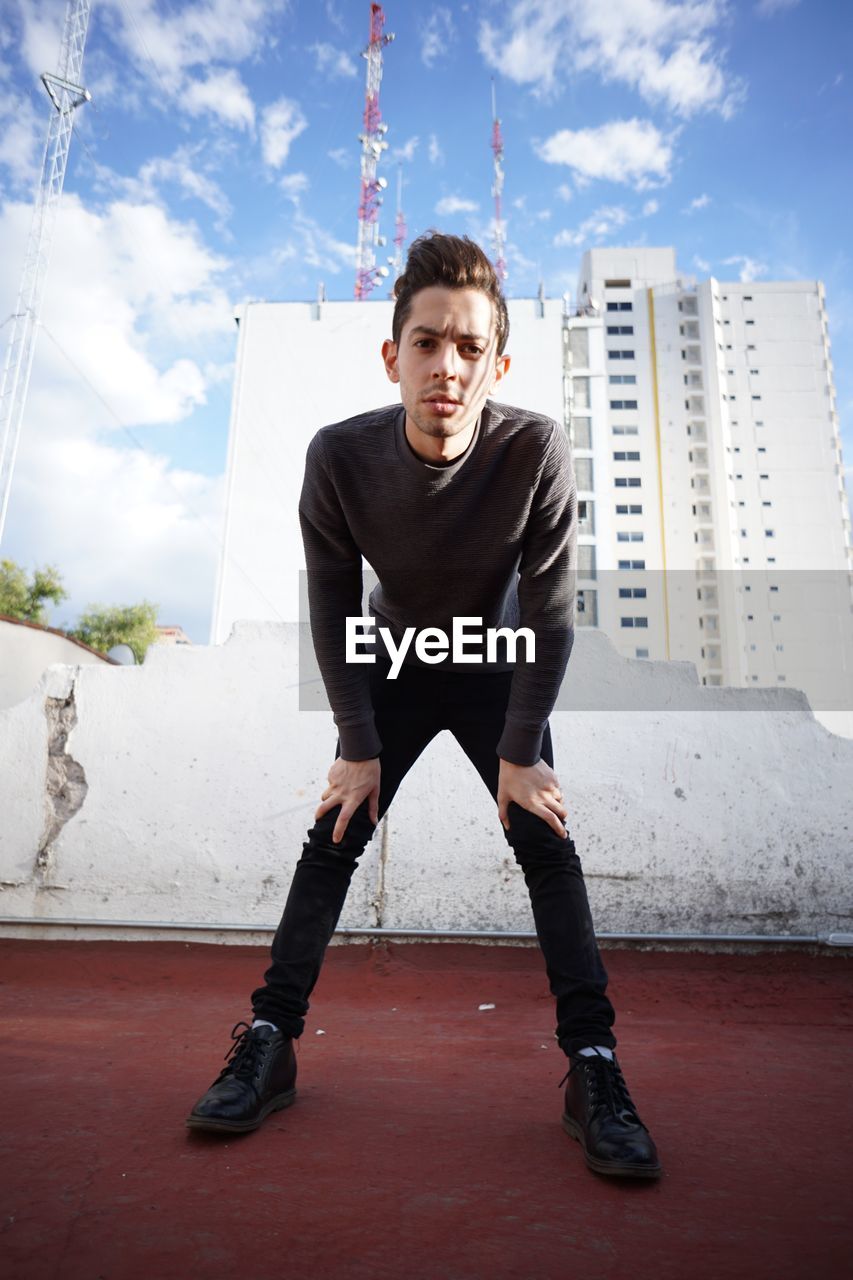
[[401, 231], [373, 144], [497, 189]]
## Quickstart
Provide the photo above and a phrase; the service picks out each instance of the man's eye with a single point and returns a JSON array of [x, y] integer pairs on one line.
[[472, 349]]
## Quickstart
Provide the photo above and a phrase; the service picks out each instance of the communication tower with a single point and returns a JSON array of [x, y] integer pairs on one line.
[[66, 94], [400, 231], [497, 190], [373, 143]]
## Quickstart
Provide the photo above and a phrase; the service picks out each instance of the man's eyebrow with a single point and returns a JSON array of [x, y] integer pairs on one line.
[[439, 333]]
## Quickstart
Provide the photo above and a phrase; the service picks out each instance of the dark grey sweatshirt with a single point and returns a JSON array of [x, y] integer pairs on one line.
[[491, 535]]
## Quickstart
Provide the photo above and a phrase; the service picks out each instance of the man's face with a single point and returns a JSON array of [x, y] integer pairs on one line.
[[446, 362]]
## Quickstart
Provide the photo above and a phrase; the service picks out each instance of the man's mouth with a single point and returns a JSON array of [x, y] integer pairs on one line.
[[442, 403]]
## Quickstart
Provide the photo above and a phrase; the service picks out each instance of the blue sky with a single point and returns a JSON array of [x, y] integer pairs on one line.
[[219, 159]]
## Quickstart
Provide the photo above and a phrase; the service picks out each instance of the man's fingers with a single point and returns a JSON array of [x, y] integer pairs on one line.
[[551, 818], [373, 806], [329, 802], [502, 813], [342, 823]]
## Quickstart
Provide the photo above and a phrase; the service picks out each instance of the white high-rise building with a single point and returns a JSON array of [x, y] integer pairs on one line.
[[713, 521]]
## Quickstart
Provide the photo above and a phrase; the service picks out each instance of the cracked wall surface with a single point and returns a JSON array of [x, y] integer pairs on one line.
[[182, 791], [65, 782]]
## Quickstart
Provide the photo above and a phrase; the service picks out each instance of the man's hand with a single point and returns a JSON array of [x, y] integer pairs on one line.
[[349, 782], [536, 788]]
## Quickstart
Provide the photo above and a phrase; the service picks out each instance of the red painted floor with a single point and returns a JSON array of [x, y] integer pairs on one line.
[[426, 1140]]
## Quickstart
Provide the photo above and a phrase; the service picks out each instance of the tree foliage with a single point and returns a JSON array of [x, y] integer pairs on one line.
[[103, 626], [24, 598]]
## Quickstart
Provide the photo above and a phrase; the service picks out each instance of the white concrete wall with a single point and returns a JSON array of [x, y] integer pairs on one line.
[[191, 781], [26, 652]]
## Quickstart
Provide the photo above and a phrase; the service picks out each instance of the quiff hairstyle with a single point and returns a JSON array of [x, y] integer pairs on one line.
[[453, 262]]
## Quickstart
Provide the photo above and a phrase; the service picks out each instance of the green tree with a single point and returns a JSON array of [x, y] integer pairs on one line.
[[103, 626], [25, 598]]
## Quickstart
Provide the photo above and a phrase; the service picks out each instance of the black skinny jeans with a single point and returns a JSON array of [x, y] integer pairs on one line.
[[410, 711]]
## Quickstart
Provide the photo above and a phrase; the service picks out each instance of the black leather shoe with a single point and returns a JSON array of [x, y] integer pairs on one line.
[[259, 1078], [600, 1114]]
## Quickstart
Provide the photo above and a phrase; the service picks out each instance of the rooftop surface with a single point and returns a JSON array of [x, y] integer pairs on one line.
[[426, 1140]]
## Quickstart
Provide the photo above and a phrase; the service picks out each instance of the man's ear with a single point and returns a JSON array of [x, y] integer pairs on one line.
[[501, 370], [389, 359]]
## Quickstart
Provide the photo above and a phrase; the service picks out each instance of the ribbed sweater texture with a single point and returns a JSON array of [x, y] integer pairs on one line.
[[492, 535]]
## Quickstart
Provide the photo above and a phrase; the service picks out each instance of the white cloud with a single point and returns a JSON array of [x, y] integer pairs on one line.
[[407, 151], [437, 36], [342, 157], [313, 246], [629, 151], [179, 170], [281, 123], [455, 204], [293, 185], [22, 135], [664, 49], [436, 155], [333, 62], [650, 207], [565, 192], [140, 346], [597, 227], [222, 94], [702, 265], [699, 202], [183, 55], [749, 269], [767, 8]]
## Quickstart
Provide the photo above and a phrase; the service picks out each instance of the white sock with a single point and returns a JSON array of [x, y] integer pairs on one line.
[[599, 1048], [261, 1022]]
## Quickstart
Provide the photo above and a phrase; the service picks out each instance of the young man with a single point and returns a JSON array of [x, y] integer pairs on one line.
[[465, 508]]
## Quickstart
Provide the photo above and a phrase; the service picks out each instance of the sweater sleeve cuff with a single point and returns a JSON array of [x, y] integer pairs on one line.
[[359, 741], [520, 745]]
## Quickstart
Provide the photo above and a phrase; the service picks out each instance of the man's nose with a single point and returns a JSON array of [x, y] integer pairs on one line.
[[444, 365]]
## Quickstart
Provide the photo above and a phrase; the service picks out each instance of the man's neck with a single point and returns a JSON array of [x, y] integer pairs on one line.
[[434, 449]]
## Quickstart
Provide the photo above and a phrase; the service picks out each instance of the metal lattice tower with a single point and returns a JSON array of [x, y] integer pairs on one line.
[[497, 190], [373, 144], [401, 231], [66, 95]]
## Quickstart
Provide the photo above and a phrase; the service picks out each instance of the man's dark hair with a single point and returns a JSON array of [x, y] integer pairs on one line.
[[454, 262]]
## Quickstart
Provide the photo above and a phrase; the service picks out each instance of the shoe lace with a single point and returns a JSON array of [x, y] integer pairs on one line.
[[606, 1087], [245, 1053]]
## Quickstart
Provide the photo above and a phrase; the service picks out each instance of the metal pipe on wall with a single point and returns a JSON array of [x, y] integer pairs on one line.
[[484, 935]]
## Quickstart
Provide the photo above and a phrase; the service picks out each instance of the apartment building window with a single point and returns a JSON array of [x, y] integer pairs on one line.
[[635, 622], [777, 617], [619, 330], [756, 397], [641, 653], [632, 564], [759, 422], [617, 284], [747, 297], [767, 503], [743, 533], [620, 355], [774, 588], [780, 648], [630, 455], [626, 431], [621, 508], [632, 593], [620, 306], [629, 536], [768, 533], [623, 404], [782, 679], [619, 379], [583, 473], [771, 559], [747, 322], [627, 482], [754, 371]]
